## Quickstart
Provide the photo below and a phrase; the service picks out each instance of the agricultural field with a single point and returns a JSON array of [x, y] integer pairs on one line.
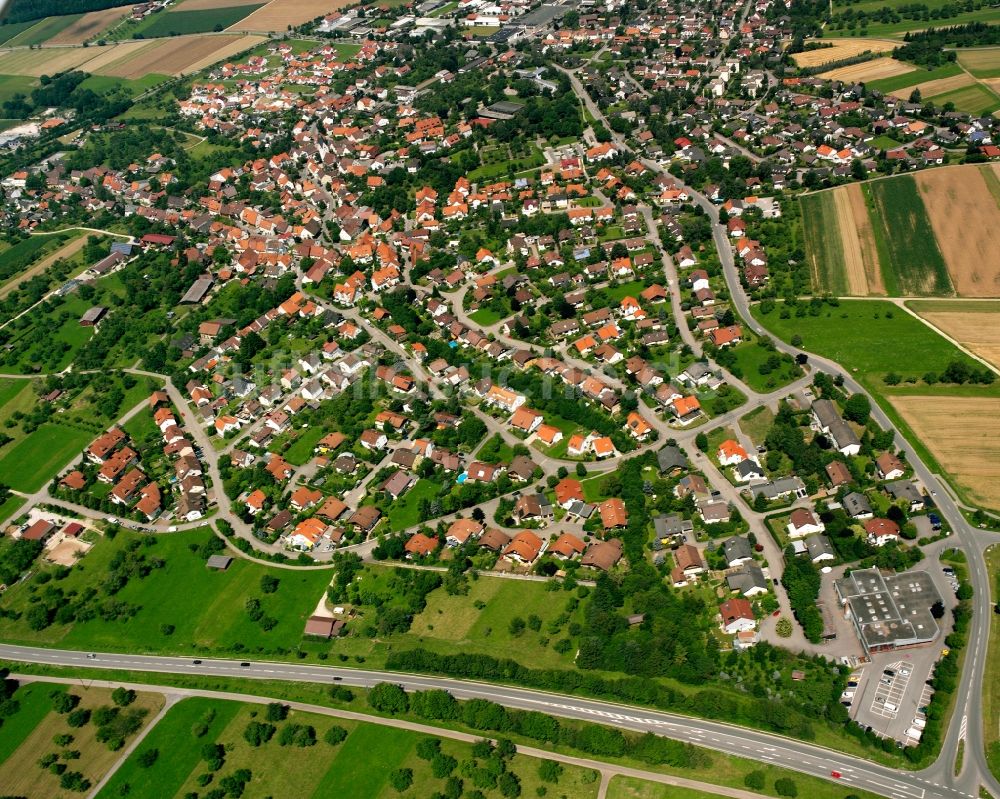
[[181, 21], [989, 15], [936, 86], [8, 32], [910, 79], [983, 62], [33, 733], [15, 84], [44, 30], [868, 71], [908, 253], [277, 15], [977, 99], [34, 63], [840, 243], [103, 84], [209, 614], [970, 247], [176, 55], [898, 236], [842, 48], [974, 325], [361, 765], [969, 453], [36, 246], [88, 26]]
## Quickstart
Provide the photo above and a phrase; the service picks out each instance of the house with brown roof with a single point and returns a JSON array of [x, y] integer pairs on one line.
[[420, 545], [737, 615], [525, 547], [889, 467], [494, 540], [567, 546], [881, 531], [838, 473], [365, 518], [613, 513], [461, 530], [568, 491], [603, 555], [803, 522]]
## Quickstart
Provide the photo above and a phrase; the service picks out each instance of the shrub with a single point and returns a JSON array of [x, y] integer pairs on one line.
[[335, 735], [258, 733], [785, 786], [755, 780], [78, 717], [148, 757], [388, 697]]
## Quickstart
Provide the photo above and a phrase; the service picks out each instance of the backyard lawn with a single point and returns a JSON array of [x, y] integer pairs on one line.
[[301, 449], [405, 512]]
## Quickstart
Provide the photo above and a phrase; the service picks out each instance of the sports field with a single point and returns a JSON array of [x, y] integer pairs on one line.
[[842, 48], [975, 324], [969, 453]]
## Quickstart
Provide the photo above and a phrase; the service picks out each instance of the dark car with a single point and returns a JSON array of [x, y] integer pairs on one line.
[[244, 665], [196, 662]]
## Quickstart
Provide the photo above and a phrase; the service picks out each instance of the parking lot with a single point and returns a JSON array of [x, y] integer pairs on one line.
[[887, 702]]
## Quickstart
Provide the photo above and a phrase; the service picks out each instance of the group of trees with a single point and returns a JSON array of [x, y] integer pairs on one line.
[[801, 579], [928, 48]]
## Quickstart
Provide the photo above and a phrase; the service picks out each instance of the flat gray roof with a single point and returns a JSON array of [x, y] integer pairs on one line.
[[890, 611]]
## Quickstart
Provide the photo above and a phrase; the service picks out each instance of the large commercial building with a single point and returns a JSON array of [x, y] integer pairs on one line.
[[889, 612]]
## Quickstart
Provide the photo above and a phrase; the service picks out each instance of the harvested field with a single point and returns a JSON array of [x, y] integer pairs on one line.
[[864, 277], [932, 87], [877, 69], [177, 55], [109, 55], [88, 26], [969, 453], [842, 48], [206, 5], [974, 325], [969, 248], [279, 14], [983, 62], [223, 53], [43, 62]]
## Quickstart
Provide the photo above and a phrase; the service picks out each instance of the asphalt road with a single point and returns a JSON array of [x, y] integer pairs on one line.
[[760, 746]]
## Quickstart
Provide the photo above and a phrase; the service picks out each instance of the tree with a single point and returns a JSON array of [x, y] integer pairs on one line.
[[701, 442], [549, 771], [269, 583], [148, 757], [857, 408], [937, 609], [785, 786], [389, 698], [123, 697], [63, 702], [755, 780], [258, 733], [401, 779], [276, 711], [335, 735]]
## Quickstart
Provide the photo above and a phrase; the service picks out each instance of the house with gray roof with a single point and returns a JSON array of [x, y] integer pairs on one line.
[[738, 551], [671, 458], [857, 506], [780, 488], [820, 549], [828, 421], [749, 580]]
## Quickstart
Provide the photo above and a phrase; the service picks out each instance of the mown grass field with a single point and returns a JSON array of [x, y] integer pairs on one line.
[[908, 253], [405, 511], [898, 82], [103, 84], [360, 767], [856, 333], [8, 32], [176, 23], [823, 243], [301, 450], [38, 457], [976, 100], [16, 84], [206, 608]]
